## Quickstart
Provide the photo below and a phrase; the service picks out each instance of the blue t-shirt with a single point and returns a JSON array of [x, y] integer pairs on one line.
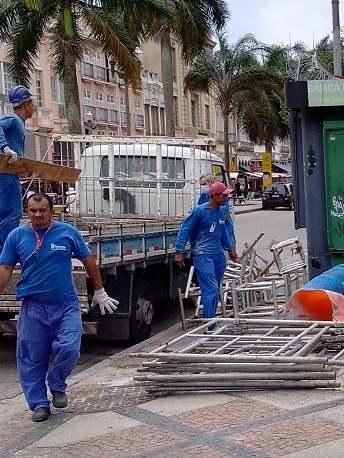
[[197, 226], [12, 133], [46, 277], [204, 197]]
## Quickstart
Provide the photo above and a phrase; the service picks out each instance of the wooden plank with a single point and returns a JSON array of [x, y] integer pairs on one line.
[[25, 167]]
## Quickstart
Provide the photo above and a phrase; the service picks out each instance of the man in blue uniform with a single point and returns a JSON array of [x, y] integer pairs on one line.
[[206, 226], [205, 182], [12, 138], [50, 319]]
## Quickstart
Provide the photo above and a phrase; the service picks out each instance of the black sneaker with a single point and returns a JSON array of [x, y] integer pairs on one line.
[[41, 414], [60, 399]]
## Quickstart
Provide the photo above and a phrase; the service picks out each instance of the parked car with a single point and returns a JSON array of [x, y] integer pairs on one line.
[[278, 195]]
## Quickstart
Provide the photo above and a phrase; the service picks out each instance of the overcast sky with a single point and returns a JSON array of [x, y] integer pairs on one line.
[[282, 21]]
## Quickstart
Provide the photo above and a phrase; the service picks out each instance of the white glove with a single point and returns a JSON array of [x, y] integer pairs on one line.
[[105, 302], [13, 154]]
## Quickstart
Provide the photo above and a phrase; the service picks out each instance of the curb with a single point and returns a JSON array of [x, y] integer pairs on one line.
[[247, 210], [162, 336]]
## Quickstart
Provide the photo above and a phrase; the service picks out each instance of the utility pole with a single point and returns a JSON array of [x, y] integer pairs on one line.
[[337, 52]]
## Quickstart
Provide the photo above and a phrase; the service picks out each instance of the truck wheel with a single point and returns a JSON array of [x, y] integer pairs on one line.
[[141, 318]]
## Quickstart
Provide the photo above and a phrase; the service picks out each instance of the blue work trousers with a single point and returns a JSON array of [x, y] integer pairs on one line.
[[11, 207], [210, 269], [43, 330]]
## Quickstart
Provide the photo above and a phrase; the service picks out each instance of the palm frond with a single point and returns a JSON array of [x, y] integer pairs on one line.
[[112, 36], [32, 4], [29, 31]]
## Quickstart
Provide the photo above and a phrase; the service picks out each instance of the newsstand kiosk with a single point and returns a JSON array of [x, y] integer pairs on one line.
[[317, 149]]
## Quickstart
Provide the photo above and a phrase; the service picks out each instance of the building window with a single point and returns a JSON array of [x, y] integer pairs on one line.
[[147, 119], [155, 121], [96, 57], [194, 113], [207, 116], [175, 111], [123, 112], [8, 82], [53, 86], [99, 99], [39, 88], [86, 96], [162, 122], [173, 53], [85, 55], [110, 100], [62, 97], [137, 107]]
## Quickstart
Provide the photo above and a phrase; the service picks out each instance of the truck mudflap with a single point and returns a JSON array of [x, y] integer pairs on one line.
[[10, 327]]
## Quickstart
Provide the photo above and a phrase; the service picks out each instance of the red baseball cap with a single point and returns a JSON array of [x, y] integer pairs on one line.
[[219, 188]]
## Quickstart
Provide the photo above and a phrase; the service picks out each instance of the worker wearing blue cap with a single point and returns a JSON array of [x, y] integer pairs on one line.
[[12, 139]]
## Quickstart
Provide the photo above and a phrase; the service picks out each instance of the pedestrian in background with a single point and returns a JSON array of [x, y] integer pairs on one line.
[[206, 226], [12, 139], [50, 318], [205, 182]]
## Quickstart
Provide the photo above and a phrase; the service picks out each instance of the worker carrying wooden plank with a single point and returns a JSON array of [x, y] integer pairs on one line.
[[12, 141], [13, 164]]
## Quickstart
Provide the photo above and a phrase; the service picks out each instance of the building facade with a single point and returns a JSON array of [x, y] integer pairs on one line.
[[106, 103]]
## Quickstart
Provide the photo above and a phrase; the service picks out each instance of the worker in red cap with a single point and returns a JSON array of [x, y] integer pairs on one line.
[[205, 182], [206, 226]]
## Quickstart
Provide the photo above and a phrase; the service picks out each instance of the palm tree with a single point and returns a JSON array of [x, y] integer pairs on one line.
[[232, 74], [192, 24], [264, 118], [114, 24]]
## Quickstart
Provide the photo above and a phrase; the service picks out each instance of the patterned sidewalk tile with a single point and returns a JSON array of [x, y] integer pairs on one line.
[[199, 451], [233, 413], [287, 436], [123, 444], [17, 428], [103, 398]]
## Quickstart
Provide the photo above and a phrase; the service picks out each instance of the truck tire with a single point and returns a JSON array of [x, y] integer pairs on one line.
[[142, 309]]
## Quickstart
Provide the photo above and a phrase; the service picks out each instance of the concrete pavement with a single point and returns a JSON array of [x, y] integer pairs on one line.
[[109, 417]]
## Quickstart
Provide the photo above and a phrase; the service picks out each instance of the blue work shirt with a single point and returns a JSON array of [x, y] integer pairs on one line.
[[204, 197], [197, 226], [12, 133], [46, 277]]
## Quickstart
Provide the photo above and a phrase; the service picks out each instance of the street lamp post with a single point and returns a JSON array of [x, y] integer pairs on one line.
[[89, 121]]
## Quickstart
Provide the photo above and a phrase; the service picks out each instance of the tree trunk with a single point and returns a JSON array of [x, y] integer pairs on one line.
[[227, 155], [72, 101], [167, 78], [268, 145]]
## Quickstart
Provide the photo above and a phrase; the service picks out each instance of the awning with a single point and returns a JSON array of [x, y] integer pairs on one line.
[[286, 168]]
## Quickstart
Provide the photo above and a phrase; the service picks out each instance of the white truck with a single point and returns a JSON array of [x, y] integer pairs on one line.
[[130, 199]]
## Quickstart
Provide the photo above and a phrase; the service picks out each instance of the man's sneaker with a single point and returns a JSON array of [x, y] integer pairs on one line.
[[60, 399], [41, 414]]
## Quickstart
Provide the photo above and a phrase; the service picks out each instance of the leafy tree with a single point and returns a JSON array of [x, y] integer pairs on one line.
[[233, 75], [116, 25]]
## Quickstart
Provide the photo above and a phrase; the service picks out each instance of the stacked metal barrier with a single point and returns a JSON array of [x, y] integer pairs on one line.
[[247, 354]]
